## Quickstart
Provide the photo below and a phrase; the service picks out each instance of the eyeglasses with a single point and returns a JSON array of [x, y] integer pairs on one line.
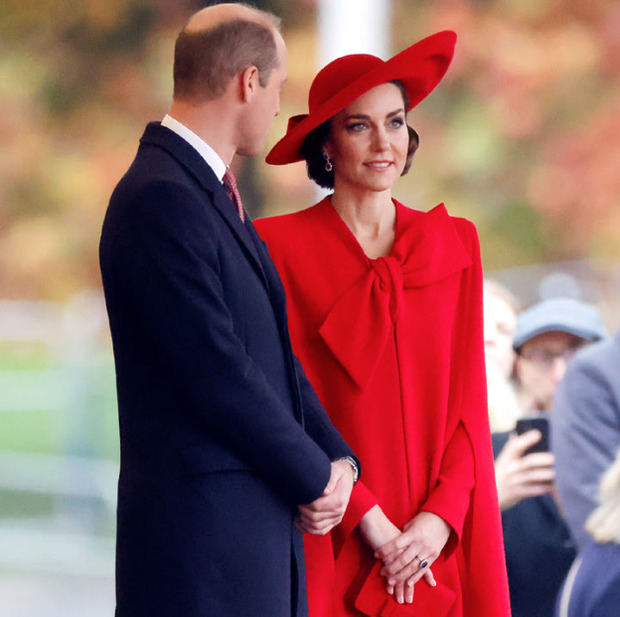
[[547, 357]]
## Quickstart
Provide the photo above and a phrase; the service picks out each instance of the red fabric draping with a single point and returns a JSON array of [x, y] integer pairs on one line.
[[394, 349]]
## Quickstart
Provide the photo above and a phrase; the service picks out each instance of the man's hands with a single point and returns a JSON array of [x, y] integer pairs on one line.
[[324, 513], [518, 476]]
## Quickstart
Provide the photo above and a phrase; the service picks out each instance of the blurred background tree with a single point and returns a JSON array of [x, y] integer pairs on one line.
[[522, 136]]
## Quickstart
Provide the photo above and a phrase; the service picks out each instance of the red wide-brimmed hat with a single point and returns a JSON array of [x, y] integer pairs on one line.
[[419, 68]]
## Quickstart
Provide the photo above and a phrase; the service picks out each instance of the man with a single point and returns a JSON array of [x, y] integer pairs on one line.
[[222, 436], [539, 548], [585, 430]]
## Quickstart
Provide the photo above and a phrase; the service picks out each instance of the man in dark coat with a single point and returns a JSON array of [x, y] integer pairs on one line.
[[223, 440]]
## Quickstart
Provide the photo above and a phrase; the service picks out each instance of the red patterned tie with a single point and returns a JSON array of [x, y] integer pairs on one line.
[[230, 184]]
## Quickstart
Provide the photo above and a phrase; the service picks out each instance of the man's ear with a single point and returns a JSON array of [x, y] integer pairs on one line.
[[248, 83]]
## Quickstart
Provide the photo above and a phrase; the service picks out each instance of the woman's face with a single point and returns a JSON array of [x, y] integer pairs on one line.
[[368, 140], [500, 321]]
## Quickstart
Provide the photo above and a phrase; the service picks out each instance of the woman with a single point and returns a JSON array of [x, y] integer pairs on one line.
[[592, 587], [500, 320], [385, 314]]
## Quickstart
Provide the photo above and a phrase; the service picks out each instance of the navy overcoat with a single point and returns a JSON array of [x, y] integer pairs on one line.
[[221, 434]]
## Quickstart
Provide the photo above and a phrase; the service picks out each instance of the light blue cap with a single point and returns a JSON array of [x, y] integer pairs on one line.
[[559, 315]]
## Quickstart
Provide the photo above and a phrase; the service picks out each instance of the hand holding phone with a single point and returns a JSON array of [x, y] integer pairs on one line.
[[539, 422], [521, 472]]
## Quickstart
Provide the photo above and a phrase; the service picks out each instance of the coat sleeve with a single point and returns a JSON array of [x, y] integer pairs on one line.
[[172, 273], [317, 422], [481, 540], [585, 435], [362, 500], [450, 499]]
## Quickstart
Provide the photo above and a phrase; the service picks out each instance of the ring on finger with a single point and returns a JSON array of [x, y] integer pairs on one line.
[[421, 562]]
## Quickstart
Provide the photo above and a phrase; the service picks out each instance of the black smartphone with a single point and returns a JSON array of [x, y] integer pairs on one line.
[[539, 422]]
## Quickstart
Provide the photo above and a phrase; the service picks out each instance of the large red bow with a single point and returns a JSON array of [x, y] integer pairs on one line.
[[358, 326]]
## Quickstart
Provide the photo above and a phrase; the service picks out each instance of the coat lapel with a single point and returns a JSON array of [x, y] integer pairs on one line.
[[275, 288], [271, 274], [196, 166]]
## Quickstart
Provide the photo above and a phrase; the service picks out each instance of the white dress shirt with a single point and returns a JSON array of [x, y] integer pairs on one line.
[[211, 157]]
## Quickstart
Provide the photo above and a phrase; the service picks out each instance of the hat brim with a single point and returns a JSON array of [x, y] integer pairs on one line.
[[420, 68], [587, 334], [559, 315]]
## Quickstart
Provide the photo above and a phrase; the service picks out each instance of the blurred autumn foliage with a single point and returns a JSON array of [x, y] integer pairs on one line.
[[522, 136]]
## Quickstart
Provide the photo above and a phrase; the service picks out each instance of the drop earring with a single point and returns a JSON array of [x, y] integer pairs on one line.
[[329, 165]]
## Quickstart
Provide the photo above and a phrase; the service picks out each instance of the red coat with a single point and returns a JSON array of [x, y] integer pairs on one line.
[[394, 348]]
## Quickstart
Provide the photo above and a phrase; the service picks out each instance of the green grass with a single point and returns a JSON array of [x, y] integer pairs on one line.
[[24, 356], [49, 406], [29, 431], [16, 504]]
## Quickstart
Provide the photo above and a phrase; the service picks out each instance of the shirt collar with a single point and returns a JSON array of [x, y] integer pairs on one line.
[[211, 157]]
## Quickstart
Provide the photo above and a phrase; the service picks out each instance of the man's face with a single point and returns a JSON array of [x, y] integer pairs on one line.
[[541, 364], [264, 107]]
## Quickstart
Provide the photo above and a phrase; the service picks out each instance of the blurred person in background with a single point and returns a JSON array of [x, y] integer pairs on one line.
[[592, 587], [585, 430], [538, 544], [546, 337], [500, 319], [222, 436], [385, 306]]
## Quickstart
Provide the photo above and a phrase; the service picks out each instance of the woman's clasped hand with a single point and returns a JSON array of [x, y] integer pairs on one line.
[[406, 555]]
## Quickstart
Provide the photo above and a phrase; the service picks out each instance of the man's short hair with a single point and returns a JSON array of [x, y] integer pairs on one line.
[[206, 60]]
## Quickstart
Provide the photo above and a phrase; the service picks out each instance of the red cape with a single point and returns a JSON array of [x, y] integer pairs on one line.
[[394, 348]]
